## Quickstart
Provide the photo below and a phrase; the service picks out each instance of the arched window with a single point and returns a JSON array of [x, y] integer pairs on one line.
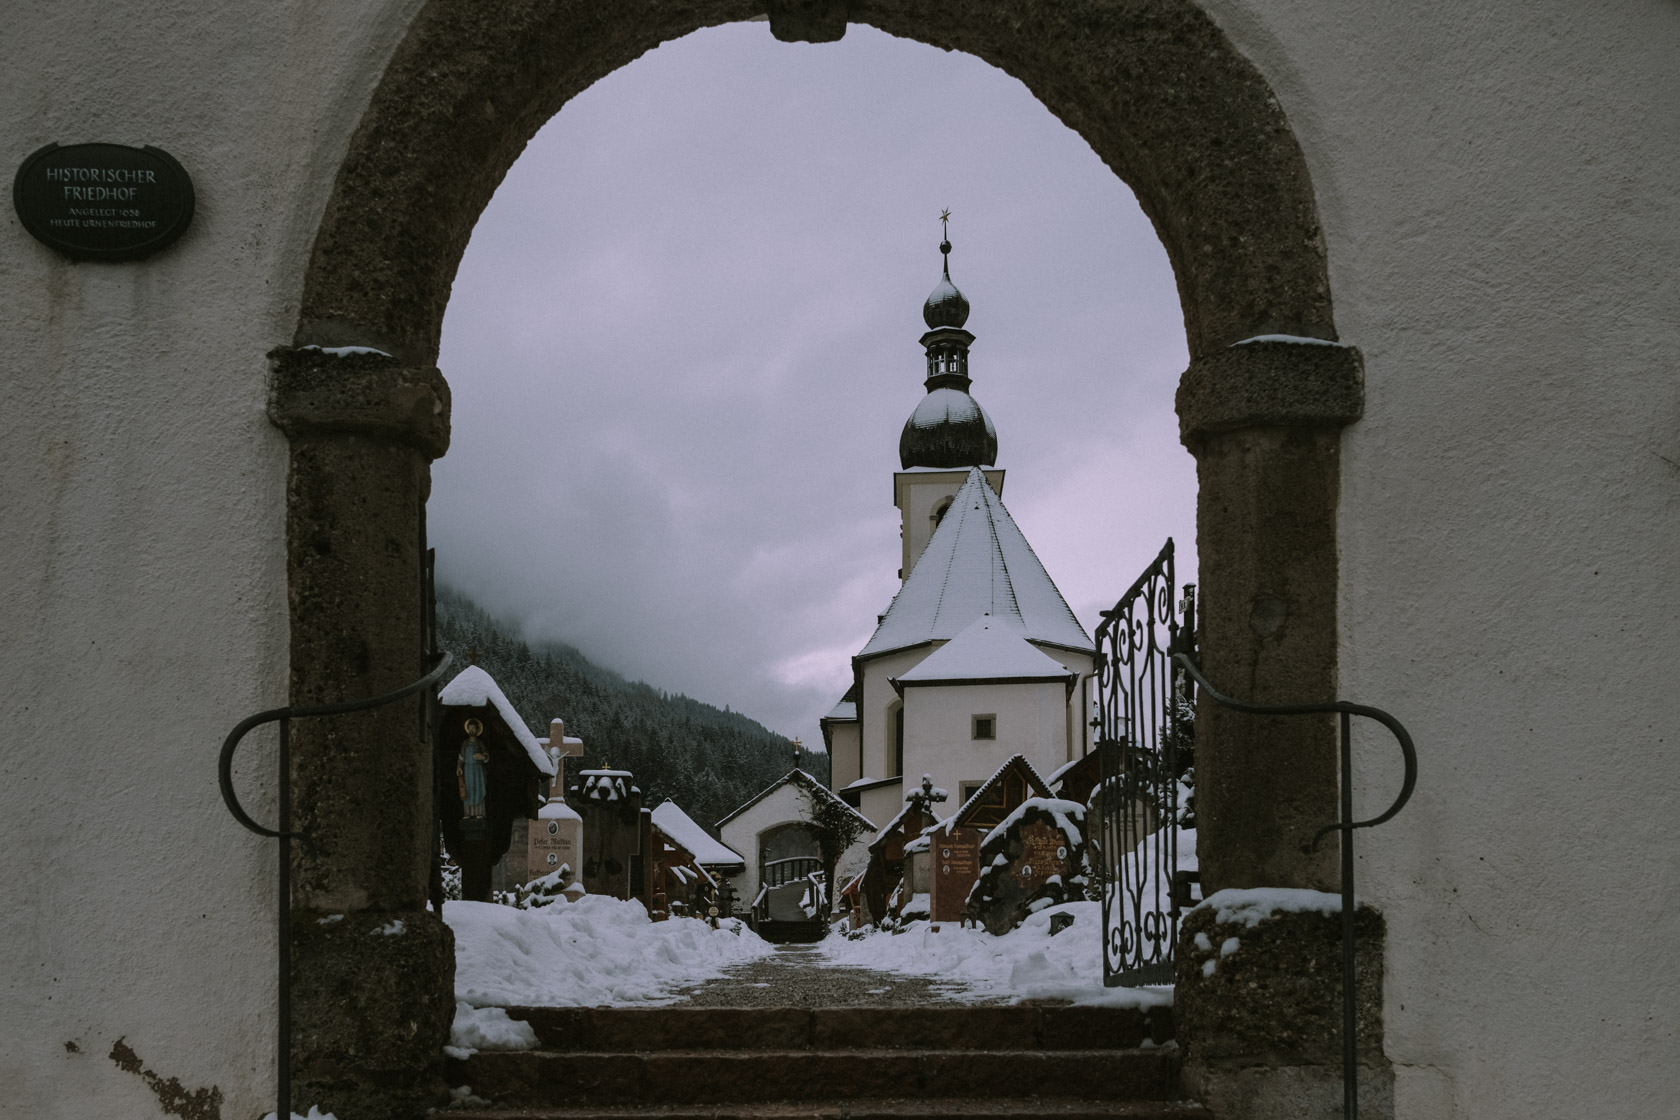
[[939, 512], [895, 742]]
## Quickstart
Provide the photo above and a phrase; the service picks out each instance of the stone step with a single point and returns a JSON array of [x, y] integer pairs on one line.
[[841, 1028], [885, 1109], [537, 1078]]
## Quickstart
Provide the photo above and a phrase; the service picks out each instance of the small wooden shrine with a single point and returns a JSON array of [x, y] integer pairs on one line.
[[489, 772]]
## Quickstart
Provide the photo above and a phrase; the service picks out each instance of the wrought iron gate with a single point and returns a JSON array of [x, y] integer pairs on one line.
[[1143, 720]]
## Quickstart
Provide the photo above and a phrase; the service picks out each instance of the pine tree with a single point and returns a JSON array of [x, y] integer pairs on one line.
[[708, 759]]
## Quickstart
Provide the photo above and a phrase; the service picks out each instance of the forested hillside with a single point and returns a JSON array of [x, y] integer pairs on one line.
[[709, 759]]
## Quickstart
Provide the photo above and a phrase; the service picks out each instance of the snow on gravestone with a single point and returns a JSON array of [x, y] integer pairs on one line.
[[956, 843], [1030, 861]]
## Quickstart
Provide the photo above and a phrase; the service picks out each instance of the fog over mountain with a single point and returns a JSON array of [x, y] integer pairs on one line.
[[683, 342]]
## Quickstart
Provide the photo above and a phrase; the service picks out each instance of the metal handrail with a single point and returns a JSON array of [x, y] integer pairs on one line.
[[1347, 710], [224, 773]]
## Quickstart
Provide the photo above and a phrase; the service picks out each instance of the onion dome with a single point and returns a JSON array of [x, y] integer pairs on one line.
[[946, 307], [948, 429]]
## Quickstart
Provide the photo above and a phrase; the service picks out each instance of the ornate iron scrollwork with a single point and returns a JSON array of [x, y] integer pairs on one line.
[[1142, 721]]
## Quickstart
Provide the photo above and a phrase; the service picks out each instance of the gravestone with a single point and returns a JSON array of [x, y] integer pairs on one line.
[[1032, 860], [956, 845], [553, 841], [610, 803], [956, 867], [555, 838]]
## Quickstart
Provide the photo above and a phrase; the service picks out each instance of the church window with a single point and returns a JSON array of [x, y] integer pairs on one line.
[[985, 727], [939, 513], [897, 744]]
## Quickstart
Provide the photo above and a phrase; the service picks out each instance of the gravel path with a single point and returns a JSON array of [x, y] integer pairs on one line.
[[794, 976]]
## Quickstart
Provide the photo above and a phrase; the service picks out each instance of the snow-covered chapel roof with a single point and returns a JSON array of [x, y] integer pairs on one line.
[[474, 688], [977, 563], [799, 778]]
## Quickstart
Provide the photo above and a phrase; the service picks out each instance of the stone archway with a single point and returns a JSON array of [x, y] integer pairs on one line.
[[1161, 95]]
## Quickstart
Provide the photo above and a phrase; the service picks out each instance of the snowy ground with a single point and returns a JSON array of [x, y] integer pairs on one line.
[[587, 953], [1026, 963]]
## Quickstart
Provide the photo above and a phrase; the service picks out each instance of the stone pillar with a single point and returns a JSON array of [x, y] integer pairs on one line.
[[1258, 1010], [366, 953], [1264, 421]]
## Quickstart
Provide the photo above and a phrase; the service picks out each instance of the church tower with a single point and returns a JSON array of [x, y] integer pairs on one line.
[[948, 433]]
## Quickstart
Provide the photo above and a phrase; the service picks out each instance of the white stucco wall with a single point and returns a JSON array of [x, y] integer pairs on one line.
[[1031, 721], [1500, 188], [918, 494], [783, 804], [143, 559], [876, 701], [882, 803], [843, 757], [878, 698]]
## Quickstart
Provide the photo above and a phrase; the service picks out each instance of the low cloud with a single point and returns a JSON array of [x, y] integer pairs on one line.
[[683, 342]]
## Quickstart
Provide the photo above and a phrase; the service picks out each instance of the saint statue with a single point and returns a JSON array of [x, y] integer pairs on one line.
[[469, 771]]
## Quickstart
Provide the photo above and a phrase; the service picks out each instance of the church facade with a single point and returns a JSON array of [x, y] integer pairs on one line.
[[979, 657]]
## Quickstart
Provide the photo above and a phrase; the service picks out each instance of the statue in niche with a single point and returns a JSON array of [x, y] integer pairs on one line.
[[470, 771]]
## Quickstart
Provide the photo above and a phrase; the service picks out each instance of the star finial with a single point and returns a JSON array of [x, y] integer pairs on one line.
[[945, 224]]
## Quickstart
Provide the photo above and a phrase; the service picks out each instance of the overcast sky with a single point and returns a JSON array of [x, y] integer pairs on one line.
[[683, 343]]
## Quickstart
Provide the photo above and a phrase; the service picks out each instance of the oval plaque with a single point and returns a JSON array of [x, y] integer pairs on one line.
[[103, 202]]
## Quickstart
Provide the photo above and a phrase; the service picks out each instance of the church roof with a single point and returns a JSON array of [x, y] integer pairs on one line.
[[845, 711], [977, 563], [990, 649]]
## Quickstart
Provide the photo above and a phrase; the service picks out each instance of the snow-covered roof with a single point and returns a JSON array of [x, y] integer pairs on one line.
[[679, 826], [976, 563], [844, 711], [607, 785], [989, 649], [1056, 774], [474, 688], [1013, 762], [798, 777]]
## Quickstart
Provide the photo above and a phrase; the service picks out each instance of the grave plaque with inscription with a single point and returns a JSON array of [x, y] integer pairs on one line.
[[103, 202], [551, 845], [1030, 863], [956, 868]]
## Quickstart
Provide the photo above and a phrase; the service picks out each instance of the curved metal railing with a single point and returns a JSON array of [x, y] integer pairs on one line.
[[1346, 826], [283, 832]]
